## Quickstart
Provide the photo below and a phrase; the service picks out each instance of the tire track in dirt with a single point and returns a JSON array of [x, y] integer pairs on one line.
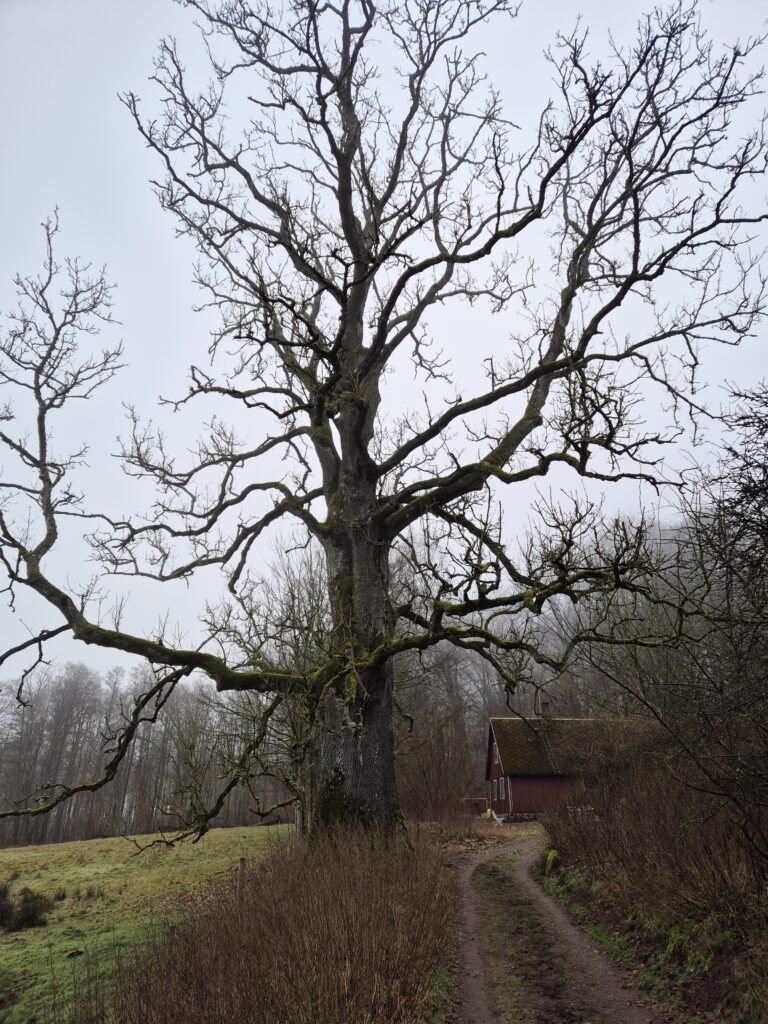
[[474, 995], [559, 975]]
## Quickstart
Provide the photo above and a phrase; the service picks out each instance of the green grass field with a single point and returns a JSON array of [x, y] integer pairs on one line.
[[103, 894]]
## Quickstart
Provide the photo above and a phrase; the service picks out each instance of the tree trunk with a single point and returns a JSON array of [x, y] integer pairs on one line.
[[353, 766], [352, 771]]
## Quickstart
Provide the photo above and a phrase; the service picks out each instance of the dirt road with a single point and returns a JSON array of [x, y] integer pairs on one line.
[[521, 961]]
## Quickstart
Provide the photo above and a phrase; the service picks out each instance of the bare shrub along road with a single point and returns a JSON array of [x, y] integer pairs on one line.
[[520, 959]]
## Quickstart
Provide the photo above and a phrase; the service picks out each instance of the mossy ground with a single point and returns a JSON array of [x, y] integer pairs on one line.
[[701, 968], [103, 893]]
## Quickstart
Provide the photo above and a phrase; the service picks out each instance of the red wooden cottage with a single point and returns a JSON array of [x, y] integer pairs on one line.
[[531, 763]]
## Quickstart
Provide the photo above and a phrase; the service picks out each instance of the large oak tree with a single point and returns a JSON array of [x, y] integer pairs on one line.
[[378, 177]]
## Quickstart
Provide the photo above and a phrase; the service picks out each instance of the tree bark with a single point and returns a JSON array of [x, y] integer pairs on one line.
[[352, 772]]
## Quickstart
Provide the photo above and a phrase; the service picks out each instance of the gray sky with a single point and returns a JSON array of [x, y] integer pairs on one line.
[[68, 142]]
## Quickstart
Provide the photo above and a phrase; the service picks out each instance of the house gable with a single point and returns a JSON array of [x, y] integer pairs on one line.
[[497, 784], [489, 753]]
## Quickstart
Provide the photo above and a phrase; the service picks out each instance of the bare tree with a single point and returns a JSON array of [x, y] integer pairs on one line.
[[356, 202], [438, 747], [707, 688]]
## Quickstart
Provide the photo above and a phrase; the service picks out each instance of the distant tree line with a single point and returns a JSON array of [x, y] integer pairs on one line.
[[62, 734]]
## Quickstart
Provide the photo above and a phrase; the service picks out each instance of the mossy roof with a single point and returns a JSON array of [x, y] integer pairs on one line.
[[567, 746]]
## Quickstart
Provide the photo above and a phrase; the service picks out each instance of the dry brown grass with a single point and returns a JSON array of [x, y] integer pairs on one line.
[[672, 861], [350, 931], [467, 834], [675, 846]]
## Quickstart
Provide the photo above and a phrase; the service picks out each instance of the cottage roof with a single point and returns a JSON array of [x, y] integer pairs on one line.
[[566, 746]]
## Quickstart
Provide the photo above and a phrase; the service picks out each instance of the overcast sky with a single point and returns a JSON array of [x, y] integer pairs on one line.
[[67, 142]]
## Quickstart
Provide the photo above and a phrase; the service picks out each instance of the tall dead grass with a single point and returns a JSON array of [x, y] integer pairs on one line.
[[349, 931], [673, 860], [667, 843]]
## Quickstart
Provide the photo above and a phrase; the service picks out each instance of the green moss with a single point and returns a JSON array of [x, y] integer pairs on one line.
[[611, 942], [334, 806], [551, 860]]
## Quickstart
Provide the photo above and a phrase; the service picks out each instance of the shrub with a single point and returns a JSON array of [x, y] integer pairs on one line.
[[31, 908], [673, 860], [670, 846], [28, 912], [350, 931], [6, 906]]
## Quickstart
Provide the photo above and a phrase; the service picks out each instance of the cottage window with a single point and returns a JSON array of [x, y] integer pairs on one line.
[[494, 791], [501, 788]]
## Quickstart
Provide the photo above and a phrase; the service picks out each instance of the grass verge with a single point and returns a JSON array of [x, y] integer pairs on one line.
[[101, 894], [349, 930], [702, 969], [438, 1001]]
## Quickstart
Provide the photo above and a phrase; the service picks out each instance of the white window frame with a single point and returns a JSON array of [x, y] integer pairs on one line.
[[501, 788], [495, 786]]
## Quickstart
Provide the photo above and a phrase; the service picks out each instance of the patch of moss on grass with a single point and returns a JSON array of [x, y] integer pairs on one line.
[[440, 996], [612, 942]]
